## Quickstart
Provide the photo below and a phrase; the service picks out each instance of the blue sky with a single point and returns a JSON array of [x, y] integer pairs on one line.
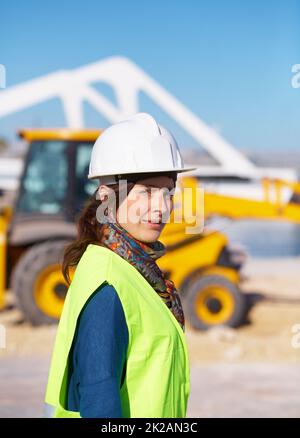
[[228, 61]]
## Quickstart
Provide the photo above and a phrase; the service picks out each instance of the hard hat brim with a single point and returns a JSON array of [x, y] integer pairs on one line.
[[135, 172]]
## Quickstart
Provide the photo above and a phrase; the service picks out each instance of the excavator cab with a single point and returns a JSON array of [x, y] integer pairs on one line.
[[52, 190]]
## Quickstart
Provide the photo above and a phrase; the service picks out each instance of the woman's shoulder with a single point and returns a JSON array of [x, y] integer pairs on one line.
[[103, 308], [95, 257]]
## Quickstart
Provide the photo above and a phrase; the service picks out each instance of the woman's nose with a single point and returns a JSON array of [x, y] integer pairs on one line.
[[161, 201]]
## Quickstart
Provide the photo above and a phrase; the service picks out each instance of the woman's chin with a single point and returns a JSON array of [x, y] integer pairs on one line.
[[149, 234]]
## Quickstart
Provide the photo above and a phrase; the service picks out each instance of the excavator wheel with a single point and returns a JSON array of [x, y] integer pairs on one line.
[[38, 283], [212, 300]]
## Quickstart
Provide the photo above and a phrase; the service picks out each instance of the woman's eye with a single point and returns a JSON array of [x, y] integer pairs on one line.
[[166, 194]]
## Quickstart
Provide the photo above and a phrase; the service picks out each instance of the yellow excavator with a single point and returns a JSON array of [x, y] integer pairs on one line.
[[52, 189], [273, 204]]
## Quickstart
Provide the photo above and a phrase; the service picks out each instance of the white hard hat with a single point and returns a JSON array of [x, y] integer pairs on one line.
[[136, 145]]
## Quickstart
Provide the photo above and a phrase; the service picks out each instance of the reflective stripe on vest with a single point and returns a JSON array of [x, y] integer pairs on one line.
[[157, 381]]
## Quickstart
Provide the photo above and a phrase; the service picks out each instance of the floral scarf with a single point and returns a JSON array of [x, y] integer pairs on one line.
[[142, 256]]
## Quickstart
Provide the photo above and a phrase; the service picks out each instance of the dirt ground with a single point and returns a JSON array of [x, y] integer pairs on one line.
[[253, 371]]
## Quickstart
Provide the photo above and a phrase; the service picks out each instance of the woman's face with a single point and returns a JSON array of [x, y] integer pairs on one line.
[[146, 209]]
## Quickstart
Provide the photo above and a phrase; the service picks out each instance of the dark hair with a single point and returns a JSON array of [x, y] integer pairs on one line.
[[89, 230]]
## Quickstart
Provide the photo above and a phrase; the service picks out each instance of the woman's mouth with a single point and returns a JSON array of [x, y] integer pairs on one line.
[[153, 225]]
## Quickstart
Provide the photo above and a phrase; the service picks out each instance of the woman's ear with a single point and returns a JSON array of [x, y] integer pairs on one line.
[[103, 192]]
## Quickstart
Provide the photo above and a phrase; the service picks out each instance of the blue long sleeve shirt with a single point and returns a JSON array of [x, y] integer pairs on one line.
[[98, 356]]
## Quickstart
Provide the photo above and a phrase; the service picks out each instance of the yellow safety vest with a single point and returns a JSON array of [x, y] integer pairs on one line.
[[157, 381]]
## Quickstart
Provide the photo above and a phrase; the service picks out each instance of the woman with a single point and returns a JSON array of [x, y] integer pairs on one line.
[[120, 349]]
